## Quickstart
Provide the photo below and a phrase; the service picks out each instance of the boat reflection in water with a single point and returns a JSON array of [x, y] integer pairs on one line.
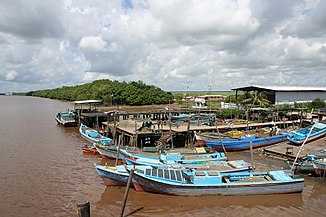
[[144, 204]]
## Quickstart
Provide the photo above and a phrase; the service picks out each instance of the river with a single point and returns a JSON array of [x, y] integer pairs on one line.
[[44, 173]]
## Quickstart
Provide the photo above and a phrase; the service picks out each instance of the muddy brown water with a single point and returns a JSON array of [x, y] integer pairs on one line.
[[44, 173]]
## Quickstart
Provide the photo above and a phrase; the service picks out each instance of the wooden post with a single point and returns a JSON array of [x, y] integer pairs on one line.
[[83, 209], [117, 156], [188, 133], [170, 126], [136, 135], [79, 114], [114, 129], [107, 125], [126, 192], [97, 124], [219, 135], [247, 118], [252, 157], [163, 140], [301, 119]]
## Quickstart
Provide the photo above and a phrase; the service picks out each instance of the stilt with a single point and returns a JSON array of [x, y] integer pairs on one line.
[[252, 157], [83, 209], [126, 192]]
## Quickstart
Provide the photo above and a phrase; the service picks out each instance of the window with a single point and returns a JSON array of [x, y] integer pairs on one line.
[[160, 173]]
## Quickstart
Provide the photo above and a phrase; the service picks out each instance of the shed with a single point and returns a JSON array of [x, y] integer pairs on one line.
[[287, 94]]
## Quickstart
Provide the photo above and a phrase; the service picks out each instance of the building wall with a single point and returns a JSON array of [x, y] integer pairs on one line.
[[291, 97]]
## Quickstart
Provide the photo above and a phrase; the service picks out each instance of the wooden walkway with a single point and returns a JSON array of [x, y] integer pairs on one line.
[[130, 126], [286, 151]]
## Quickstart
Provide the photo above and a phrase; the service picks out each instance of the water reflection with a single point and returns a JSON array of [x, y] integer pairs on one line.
[[148, 204]]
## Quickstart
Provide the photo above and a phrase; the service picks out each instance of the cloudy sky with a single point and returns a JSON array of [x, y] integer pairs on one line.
[[175, 44]]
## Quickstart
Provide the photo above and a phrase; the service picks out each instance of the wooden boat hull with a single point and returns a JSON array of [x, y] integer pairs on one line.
[[109, 151], [310, 139], [302, 167], [89, 150], [156, 186], [170, 158], [320, 168], [255, 189], [92, 135], [299, 136], [222, 166], [241, 143], [113, 176]]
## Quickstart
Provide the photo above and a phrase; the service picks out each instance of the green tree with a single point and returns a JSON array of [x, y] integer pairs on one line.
[[257, 98], [317, 103], [133, 93]]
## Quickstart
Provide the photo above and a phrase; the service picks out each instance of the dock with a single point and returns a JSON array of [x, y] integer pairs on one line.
[[177, 134], [288, 152]]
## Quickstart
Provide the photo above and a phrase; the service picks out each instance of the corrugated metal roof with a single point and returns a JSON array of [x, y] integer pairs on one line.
[[282, 88], [87, 101]]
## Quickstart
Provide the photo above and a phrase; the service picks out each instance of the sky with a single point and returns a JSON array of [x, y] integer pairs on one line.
[[176, 45]]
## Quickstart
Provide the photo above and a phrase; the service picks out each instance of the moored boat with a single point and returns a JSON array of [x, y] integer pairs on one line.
[[219, 143], [89, 149], [160, 159], [320, 167], [92, 135], [118, 175], [108, 151], [196, 183], [313, 132], [113, 175], [307, 166], [66, 118]]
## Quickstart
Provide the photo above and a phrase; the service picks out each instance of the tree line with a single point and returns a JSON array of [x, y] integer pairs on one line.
[[110, 92]]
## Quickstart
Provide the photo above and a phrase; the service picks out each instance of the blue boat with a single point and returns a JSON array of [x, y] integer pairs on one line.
[[299, 136], [114, 175], [216, 141], [92, 135], [307, 166], [320, 167], [118, 175], [177, 160], [161, 159], [197, 183], [108, 150]]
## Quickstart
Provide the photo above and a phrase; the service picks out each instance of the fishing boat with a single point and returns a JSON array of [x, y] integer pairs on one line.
[[320, 167], [113, 175], [297, 137], [110, 150], [160, 159], [197, 183], [66, 118], [89, 149], [118, 175], [177, 160], [92, 135], [220, 142], [307, 166]]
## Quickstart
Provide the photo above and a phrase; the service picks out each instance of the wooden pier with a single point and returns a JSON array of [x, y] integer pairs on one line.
[[288, 152], [177, 134]]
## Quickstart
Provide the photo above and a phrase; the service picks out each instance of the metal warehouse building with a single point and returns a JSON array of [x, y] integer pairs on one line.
[[287, 94]]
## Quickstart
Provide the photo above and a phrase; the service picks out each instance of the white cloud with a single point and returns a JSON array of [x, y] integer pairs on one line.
[[93, 43], [171, 44], [10, 75]]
